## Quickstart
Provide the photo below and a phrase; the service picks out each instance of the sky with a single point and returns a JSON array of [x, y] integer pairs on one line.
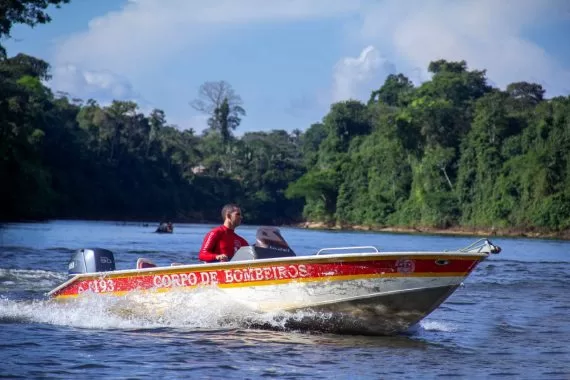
[[289, 60]]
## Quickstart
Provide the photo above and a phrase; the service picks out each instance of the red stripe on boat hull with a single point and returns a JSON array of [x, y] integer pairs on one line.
[[268, 273]]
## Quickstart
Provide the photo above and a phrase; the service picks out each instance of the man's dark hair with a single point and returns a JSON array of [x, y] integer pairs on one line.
[[228, 209]]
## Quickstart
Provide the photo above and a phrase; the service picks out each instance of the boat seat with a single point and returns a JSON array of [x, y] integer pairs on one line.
[[253, 252], [143, 263]]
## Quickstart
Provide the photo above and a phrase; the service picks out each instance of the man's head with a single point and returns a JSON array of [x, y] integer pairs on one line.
[[231, 215]]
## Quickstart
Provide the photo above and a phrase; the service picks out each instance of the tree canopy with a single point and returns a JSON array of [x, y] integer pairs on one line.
[[29, 12]]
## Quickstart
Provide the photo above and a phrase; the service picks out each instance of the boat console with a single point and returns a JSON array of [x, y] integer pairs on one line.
[[269, 244]]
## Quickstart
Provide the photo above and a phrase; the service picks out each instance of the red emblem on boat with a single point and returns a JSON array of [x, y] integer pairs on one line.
[[405, 266]]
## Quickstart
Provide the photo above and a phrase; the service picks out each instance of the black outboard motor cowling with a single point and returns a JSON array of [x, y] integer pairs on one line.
[[91, 260]]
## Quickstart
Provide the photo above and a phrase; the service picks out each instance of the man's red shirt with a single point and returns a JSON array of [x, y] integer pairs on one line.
[[220, 241]]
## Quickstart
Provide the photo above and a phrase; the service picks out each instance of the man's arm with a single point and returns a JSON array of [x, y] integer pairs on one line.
[[242, 241], [208, 251]]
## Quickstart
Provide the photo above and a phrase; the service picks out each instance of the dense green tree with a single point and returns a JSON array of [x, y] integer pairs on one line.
[[482, 161], [524, 96], [310, 142], [345, 121], [29, 12], [395, 91], [452, 152]]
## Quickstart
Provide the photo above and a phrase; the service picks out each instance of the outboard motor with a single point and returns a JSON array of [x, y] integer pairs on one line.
[[91, 260]]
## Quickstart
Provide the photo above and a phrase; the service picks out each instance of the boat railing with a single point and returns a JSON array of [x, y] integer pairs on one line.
[[370, 248], [482, 245]]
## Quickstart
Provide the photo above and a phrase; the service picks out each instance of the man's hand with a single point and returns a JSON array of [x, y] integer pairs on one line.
[[222, 257]]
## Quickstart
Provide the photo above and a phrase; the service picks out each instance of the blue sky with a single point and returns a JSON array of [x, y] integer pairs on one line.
[[289, 59]]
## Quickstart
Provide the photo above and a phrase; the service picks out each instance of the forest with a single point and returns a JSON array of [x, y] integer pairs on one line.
[[451, 152]]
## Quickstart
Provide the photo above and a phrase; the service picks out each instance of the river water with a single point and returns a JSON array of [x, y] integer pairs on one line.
[[511, 319]]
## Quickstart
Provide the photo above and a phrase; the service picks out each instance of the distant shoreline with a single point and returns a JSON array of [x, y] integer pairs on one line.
[[460, 231]]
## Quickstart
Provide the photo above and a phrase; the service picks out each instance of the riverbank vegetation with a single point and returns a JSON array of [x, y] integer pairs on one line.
[[453, 153]]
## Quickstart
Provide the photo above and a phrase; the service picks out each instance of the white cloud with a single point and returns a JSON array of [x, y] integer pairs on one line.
[[101, 85], [355, 78], [91, 83], [146, 32], [488, 34], [145, 36]]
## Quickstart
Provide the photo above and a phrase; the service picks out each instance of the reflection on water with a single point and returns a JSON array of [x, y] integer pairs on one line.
[[241, 338]]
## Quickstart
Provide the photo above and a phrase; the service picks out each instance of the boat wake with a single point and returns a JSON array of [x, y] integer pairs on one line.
[[437, 326], [203, 310], [206, 309], [26, 280]]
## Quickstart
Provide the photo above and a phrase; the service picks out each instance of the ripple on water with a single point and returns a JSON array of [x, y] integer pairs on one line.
[[509, 320]]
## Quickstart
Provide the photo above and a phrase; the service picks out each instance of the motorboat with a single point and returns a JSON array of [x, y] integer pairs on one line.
[[165, 228], [358, 289]]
